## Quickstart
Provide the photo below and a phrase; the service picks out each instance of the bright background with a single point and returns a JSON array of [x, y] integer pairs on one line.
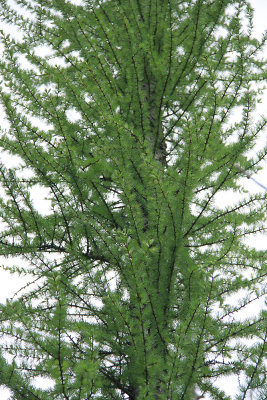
[[10, 284]]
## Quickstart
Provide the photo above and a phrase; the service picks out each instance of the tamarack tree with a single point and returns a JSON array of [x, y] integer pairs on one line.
[[122, 112]]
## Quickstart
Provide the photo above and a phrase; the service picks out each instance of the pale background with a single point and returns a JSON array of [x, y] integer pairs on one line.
[[9, 284]]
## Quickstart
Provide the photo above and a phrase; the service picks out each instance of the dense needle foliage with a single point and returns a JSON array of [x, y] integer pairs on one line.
[[123, 111]]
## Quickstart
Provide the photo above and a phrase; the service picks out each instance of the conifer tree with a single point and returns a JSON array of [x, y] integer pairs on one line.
[[122, 110]]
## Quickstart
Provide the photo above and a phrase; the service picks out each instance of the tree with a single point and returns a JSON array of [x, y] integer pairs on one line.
[[123, 113]]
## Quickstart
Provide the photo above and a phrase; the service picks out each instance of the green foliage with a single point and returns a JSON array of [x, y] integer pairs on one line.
[[123, 113]]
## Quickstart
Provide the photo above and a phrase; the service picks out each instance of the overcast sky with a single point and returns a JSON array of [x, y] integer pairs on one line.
[[9, 284]]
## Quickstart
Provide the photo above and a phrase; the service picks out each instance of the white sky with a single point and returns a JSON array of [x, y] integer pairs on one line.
[[10, 284]]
